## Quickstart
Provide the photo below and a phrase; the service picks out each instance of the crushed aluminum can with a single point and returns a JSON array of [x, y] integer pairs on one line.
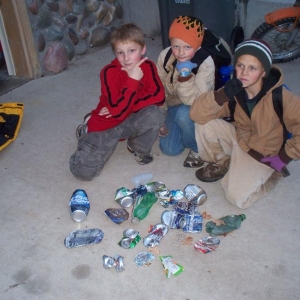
[[157, 232], [177, 194], [207, 244], [83, 237], [195, 194], [79, 205], [155, 186], [185, 207], [193, 223], [173, 219], [124, 197], [117, 261], [117, 215], [130, 239], [143, 258]]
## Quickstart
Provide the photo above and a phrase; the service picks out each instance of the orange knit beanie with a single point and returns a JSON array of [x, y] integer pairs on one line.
[[189, 29]]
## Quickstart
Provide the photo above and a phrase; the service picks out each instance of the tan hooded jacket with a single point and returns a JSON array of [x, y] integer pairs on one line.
[[263, 132], [186, 92]]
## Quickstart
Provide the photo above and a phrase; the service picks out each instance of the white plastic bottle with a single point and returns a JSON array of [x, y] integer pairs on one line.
[[141, 179]]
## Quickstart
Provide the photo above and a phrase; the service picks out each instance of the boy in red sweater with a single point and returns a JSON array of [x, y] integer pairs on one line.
[[131, 93]]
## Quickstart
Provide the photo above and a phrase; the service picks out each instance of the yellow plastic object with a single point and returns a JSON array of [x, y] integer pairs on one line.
[[11, 115]]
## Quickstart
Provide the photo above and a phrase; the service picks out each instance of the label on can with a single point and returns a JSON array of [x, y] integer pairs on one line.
[[79, 205], [193, 223]]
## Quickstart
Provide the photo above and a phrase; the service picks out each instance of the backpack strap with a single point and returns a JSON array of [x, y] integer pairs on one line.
[[278, 107], [168, 55]]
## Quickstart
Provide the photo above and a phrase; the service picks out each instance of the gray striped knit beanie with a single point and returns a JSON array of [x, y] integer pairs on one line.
[[257, 48]]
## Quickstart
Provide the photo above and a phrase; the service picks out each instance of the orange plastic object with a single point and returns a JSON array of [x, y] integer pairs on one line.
[[289, 12]]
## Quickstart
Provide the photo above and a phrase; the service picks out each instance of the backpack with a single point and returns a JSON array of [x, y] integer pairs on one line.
[[278, 107], [213, 46]]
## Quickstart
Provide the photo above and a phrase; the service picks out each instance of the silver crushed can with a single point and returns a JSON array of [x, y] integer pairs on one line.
[[195, 194], [79, 205]]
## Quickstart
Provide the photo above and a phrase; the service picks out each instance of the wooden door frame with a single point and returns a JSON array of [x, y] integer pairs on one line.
[[20, 39]]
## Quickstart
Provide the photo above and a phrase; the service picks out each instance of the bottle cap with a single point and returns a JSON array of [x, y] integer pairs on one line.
[[243, 217]]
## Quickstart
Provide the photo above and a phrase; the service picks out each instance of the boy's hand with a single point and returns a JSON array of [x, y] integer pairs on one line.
[[136, 72], [187, 66], [232, 87], [104, 111], [274, 162]]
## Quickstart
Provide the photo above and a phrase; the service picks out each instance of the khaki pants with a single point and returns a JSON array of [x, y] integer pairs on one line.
[[244, 183]]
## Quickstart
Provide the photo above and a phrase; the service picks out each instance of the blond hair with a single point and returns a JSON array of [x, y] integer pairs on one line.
[[127, 33]]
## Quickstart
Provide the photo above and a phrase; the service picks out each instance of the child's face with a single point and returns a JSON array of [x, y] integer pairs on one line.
[[181, 50], [249, 71], [129, 53]]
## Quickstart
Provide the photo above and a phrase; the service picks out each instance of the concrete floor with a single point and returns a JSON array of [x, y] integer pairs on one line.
[[258, 261]]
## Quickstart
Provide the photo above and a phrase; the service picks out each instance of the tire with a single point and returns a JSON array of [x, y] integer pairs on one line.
[[236, 37], [277, 40]]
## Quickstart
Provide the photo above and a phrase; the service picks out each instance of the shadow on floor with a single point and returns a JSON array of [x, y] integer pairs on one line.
[[8, 83]]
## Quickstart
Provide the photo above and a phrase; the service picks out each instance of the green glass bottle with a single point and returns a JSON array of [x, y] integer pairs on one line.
[[228, 223], [142, 207]]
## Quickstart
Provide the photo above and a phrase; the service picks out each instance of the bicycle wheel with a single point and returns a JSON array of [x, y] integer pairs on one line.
[[277, 40]]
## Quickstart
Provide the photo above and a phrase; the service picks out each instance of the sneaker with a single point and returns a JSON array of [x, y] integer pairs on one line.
[[82, 128], [211, 172], [193, 160], [141, 159]]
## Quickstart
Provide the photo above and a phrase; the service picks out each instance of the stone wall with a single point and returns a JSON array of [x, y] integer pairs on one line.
[[64, 30]]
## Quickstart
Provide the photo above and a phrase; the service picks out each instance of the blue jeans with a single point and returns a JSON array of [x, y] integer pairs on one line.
[[181, 131]]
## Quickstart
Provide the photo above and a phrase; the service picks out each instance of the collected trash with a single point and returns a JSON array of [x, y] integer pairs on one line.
[[79, 205], [207, 244], [184, 216], [195, 194], [130, 238], [225, 224], [157, 232], [124, 197], [117, 215], [142, 206], [83, 237], [144, 258], [170, 267], [117, 261], [169, 198], [141, 179]]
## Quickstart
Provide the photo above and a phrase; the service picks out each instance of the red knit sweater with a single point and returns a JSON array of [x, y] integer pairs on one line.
[[123, 95]]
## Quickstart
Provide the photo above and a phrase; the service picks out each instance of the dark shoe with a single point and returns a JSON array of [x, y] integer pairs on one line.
[[193, 160], [211, 172], [141, 159], [82, 128]]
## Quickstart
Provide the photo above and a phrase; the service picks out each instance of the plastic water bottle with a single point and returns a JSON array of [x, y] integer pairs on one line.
[[225, 72], [141, 179], [142, 206], [228, 224]]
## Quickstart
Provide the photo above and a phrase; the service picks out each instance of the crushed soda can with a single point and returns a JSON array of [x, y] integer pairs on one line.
[[141, 190], [124, 197], [117, 261], [173, 219], [157, 232], [170, 267], [193, 223], [144, 258], [117, 215], [83, 237], [130, 239], [185, 207], [79, 205], [207, 244], [155, 186], [195, 194]]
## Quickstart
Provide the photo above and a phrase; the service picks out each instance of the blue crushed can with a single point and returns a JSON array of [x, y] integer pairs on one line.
[[79, 205], [193, 223]]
